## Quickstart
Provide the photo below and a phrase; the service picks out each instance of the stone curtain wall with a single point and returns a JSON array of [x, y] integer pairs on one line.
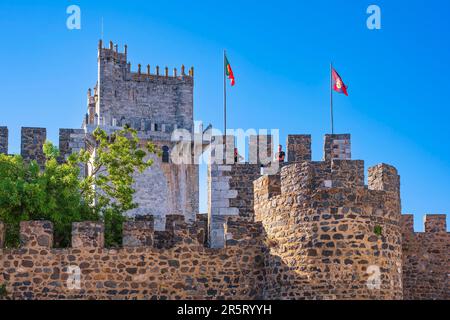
[[181, 268], [426, 259], [147, 101], [4, 140]]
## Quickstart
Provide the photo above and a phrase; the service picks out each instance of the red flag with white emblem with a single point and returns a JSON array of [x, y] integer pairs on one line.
[[338, 84]]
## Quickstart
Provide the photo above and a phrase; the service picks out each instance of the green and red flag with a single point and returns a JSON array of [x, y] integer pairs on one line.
[[229, 72]]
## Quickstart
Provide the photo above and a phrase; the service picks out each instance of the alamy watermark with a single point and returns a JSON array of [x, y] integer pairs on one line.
[[73, 22], [213, 147], [374, 280], [74, 277], [374, 20]]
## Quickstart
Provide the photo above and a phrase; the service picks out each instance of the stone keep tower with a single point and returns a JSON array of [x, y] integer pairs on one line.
[[155, 104]]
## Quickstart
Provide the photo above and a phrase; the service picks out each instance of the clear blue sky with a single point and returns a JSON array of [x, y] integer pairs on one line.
[[398, 111]]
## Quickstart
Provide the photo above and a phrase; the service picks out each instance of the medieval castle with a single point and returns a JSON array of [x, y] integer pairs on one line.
[[313, 230]]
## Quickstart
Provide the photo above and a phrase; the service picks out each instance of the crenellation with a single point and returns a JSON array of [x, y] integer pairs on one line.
[[337, 146], [71, 141], [88, 234], [36, 234], [435, 223], [4, 140], [347, 173], [407, 224], [32, 142], [138, 233], [299, 147], [384, 177], [426, 259]]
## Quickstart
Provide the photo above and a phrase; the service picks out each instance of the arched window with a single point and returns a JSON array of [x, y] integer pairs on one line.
[[165, 154]]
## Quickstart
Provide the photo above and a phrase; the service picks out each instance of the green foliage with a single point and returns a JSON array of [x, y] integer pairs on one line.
[[378, 230], [59, 194], [3, 291]]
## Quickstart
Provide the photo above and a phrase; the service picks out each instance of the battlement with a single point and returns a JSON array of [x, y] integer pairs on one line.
[[308, 177], [33, 139], [433, 223], [136, 234], [112, 54], [4, 140], [335, 147], [151, 264], [426, 257], [140, 97]]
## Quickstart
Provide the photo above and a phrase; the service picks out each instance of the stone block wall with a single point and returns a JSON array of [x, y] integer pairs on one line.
[[337, 146], [184, 270], [384, 177], [4, 140], [323, 243], [32, 141], [138, 233], [426, 259], [347, 173], [88, 235], [36, 234], [230, 193], [241, 179], [146, 101], [71, 141]]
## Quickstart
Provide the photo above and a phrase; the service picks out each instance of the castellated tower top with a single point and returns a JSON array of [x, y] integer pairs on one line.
[[147, 101]]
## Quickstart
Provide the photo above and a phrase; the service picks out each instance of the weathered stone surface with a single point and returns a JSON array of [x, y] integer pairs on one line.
[[426, 259], [138, 233], [4, 140], [299, 148], [88, 235], [185, 269], [155, 105], [36, 234], [32, 142], [323, 238], [337, 146]]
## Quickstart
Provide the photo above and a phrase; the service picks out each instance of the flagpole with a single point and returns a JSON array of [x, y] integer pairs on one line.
[[224, 95], [224, 100], [331, 97]]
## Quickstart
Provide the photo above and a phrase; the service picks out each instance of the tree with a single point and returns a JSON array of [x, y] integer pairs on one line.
[[59, 193]]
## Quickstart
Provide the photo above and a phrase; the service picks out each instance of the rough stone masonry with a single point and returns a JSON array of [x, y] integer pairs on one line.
[[314, 230]]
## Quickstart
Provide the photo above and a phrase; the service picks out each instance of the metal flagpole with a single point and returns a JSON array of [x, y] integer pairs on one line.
[[331, 98], [224, 94], [224, 106]]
